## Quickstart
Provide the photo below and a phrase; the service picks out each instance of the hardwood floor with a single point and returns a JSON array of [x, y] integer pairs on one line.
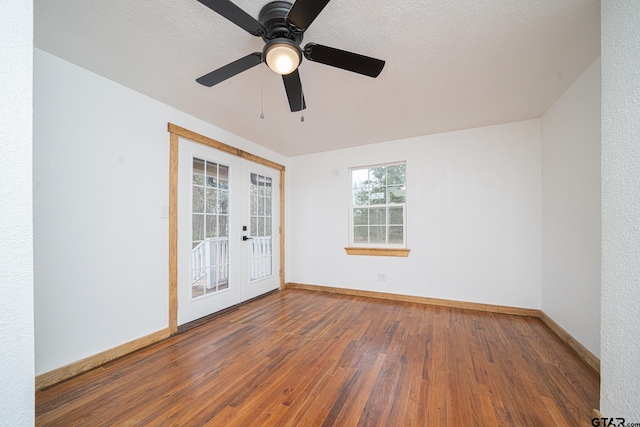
[[301, 358]]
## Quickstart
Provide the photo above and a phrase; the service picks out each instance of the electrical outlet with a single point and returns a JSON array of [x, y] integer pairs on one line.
[[382, 277]]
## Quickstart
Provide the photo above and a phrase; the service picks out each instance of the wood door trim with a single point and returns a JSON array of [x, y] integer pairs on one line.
[[282, 282], [210, 142], [173, 234], [177, 132]]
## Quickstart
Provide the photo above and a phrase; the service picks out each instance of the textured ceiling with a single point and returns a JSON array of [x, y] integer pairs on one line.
[[450, 64]]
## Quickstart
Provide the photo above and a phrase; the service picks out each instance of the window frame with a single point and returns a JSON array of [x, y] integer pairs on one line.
[[381, 249]]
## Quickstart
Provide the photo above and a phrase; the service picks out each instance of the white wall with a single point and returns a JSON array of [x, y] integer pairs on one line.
[[16, 224], [101, 177], [620, 362], [571, 210], [474, 217]]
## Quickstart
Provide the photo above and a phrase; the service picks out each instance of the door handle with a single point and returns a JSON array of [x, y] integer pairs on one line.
[[245, 238]]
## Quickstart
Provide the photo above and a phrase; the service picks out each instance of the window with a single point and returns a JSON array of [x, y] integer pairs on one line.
[[378, 207]]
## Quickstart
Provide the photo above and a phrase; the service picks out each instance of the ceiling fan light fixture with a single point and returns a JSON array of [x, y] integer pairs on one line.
[[282, 55]]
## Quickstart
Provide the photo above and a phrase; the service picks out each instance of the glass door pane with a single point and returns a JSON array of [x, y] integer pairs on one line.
[[261, 227], [209, 228]]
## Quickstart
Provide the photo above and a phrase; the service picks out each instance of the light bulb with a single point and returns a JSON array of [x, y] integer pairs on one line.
[[282, 55], [284, 65]]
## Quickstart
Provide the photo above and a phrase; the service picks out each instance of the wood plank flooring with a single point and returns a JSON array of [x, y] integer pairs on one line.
[[301, 358]]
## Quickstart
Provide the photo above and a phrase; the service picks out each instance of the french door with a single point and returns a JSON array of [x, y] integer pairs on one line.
[[228, 230]]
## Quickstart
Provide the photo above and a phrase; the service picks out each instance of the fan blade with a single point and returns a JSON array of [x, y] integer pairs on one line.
[[303, 12], [236, 15], [230, 70], [342, 59], [294, 91]]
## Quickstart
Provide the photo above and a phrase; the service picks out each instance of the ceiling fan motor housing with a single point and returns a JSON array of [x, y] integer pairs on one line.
[[281, 26], [272, 16]]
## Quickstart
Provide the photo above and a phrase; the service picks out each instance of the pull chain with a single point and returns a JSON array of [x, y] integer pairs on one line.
[[261, 94], [301, 95]]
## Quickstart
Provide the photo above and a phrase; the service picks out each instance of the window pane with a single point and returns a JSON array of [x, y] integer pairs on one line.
[[197, 227], [267, 225], [268, 268], [378, 216], [359, 178], [260, 205], [223, 202], [223, 176], [377, 197], [361, 196], [211, 282], [197, 202], [395, 215], [361, 234], [260, 226], [361, 216], [253, 187], [254, 227], [211, 226], [223, 275], [212, 200], [212, 174], [396, 234], [223, 226], [199, 280], [395, 174], [267, 206], [396, 194], [377, 234], [253, 210], [260, 186], [269, 187], [198, 171], [378, 176]]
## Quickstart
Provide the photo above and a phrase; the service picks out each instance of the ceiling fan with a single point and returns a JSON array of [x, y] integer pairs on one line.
[[282, 28]]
